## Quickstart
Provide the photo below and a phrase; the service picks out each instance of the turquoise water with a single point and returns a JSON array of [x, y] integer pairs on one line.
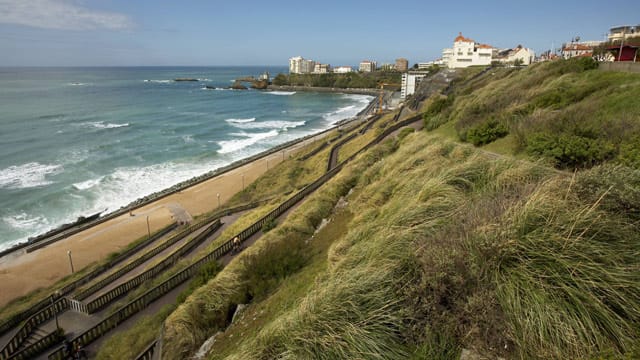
[[74, 141]]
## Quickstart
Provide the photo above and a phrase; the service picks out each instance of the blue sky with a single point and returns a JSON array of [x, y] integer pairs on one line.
[[242, 32]]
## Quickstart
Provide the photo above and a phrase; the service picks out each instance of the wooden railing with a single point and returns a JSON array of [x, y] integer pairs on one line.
[[38, 347], [16, 319], [147, 354], [124, 288], [14, 344], [142, 301]]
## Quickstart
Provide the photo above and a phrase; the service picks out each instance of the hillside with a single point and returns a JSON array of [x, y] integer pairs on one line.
[[566, 112], [423, 247]]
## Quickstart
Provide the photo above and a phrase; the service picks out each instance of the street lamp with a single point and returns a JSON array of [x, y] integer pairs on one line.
[[148, 228], [70, 260], [282, 155], [218, 195], [55, 312]]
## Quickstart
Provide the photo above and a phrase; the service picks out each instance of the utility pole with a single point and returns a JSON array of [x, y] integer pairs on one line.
[[621, 44]]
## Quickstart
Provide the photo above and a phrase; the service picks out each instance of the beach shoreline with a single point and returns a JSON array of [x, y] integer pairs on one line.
[[114, 231]]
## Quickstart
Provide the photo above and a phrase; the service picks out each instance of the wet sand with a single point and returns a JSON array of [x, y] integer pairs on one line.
[[21, 274]]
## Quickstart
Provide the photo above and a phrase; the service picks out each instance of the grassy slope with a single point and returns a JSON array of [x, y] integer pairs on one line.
[[562, 111], [447, 249]]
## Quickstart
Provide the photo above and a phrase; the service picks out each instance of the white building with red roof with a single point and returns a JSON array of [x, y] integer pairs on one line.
[[575, 50], [466, 52]]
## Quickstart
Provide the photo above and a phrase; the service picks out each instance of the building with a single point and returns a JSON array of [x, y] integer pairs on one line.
[[300, 65], [410, 81], [429, 64], [295, 64], [619, 33], [321, 68], [367, 66], [402, 64], [387, 67], [519, 54], [572, 50], [467, 52], [625, 52], [342, 69]]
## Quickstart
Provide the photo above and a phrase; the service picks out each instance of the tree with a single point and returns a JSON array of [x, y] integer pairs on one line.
[[281, 79]]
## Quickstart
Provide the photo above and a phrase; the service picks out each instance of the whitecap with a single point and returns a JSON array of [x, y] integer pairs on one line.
[[229, 146], [78, 84], [127, 184], [102, 125], [24, 221], [187, 138], [271, 124], [282, 93], [159, 81], [85, 185], [240, 121], [28, 175]]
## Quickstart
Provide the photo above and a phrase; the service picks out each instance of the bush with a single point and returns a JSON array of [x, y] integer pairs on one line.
[[486, 133], [404, 132], [269, 225], [274, 262], [569, 151]]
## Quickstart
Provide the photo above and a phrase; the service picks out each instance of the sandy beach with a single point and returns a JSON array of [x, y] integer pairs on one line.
[[21, 274]]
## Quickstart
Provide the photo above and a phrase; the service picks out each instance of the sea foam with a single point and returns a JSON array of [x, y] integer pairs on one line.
[[240, 121], [281, 93], [271, 124], [229, 146], [28, 175]]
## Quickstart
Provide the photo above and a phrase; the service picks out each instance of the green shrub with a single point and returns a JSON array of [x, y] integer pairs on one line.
[[269, 225], [274, 262], [615, 188], [569, 151], [205, 273], [486, 133], [404, 132]]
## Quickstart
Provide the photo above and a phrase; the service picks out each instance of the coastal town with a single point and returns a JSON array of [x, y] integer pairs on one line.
[[484, 204], [621, 45]]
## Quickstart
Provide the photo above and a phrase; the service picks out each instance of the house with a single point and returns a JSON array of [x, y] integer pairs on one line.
[[572, 50], [519, 54], [466, 52], [619, 33], [342, 69], [321, 68]]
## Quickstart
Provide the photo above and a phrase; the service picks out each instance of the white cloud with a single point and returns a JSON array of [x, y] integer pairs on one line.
[[59, 14]]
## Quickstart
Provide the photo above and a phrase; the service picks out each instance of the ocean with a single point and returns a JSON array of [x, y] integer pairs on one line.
[[76, 141]]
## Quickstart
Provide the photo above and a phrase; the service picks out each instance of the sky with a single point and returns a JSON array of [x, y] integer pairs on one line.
[[253, 32]]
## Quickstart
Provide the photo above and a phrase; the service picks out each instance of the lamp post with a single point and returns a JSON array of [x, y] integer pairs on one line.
[[282, 155], [218, 195], [148, 228], [55, 313], [70, 260]]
